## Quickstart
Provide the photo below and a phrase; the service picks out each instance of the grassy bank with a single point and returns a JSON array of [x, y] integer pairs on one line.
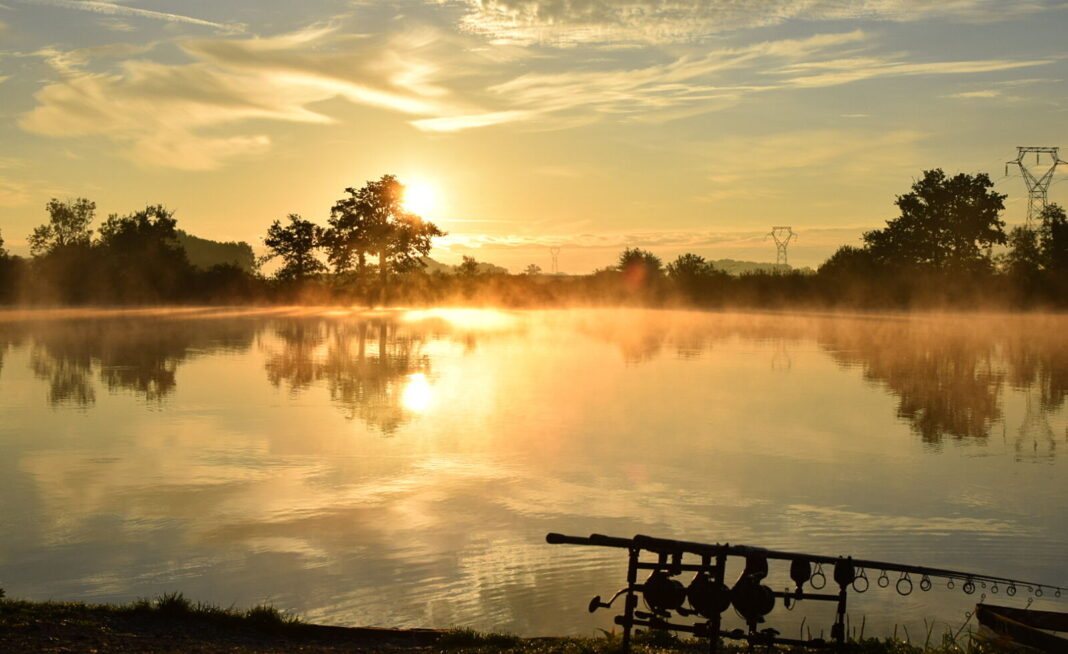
[[172, 624]]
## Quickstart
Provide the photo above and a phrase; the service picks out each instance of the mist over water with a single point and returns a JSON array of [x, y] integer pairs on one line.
[[401, 468]]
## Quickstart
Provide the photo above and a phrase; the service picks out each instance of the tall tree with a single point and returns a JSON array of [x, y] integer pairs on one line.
[[849, 261], [1053, 236], [295, 244], [372, 221], [692, 273], [3, 252], [689, 266], [946, 223], [468, 267], [141, 253], [635, 258], [352, 233], [68, 225], [1024, 258]]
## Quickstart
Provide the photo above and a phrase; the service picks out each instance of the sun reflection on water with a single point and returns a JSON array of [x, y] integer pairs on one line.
[[417, 394], [474, 319]]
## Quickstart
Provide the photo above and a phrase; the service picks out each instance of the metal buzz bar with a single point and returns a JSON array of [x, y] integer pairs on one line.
[[707, 596]]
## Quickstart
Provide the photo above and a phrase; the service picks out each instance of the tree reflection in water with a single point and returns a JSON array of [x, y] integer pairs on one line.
[[365, 364], [943, 375], [948, 373], [141, 356]]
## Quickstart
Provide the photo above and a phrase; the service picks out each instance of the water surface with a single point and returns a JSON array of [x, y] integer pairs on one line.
[[401, 468]]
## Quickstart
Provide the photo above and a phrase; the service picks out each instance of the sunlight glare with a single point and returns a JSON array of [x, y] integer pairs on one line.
[[417, 394], [420, 199]]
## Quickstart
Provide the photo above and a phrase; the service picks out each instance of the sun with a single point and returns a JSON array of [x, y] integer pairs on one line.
[[420, 198]]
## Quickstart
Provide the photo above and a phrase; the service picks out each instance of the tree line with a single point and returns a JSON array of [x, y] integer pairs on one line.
[[947, 247]]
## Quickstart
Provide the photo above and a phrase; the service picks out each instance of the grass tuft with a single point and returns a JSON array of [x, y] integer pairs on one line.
[[266, 616], [469, 638], [173, 604]]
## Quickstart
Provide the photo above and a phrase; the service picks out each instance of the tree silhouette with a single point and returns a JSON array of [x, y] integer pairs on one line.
[[693, 274], [1053, 234], [468, 267], [295, 244], [640, 268], [1024, 258], [68, 225], [532, 269], [142, 257], [946, 223], [631, 258], [64, 268], [848, 260], [372, 221]]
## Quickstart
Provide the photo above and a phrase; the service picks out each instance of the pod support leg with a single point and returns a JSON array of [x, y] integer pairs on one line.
[[631, 602]]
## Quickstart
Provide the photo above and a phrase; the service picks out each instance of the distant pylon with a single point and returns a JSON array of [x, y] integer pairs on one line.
[[1037, 185], [555, 252], [782, 235]]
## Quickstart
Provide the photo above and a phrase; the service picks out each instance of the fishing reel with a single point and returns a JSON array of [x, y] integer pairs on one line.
[[662, 593], [752, 599], [708, 598]]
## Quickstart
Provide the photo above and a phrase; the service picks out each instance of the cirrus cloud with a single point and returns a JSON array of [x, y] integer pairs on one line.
[[607, 22]]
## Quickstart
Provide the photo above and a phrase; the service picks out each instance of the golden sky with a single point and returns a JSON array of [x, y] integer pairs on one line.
[[593, 125]]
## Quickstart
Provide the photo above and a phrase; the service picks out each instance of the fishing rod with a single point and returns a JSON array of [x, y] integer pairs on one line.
[[707, 596], [670, 546]]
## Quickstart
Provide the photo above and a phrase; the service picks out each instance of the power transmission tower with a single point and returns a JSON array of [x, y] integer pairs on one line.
[[783, 236], [555, 252], [1037, 184]]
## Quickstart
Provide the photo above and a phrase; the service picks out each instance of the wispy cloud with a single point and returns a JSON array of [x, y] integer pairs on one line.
[[164, 114], [457, 123], [986, 93], [843, 71], [112, 9], [717, 80], [13, 193], [197, 114], [608, 22]]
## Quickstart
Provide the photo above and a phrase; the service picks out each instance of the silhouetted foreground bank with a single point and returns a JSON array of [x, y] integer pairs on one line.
[[172, 624]]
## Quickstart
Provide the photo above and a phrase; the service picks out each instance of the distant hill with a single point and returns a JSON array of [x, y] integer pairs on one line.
[[733, 267], [205, 253], [484, 268]]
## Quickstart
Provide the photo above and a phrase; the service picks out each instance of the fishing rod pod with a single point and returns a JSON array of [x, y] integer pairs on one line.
[[708, 597]]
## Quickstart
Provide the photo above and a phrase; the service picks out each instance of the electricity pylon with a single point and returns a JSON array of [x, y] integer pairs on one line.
[[555, 252], [782, 236], [1037, 184]]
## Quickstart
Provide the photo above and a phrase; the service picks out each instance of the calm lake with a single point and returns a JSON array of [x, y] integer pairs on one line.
[[402, 468]]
